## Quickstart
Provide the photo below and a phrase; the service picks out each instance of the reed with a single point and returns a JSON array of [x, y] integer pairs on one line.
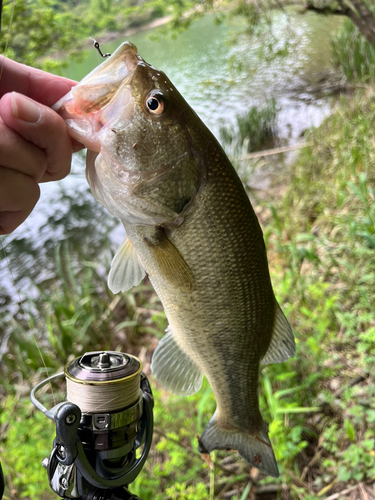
[[353, 54]]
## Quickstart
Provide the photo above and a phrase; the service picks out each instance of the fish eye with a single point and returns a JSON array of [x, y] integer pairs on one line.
[[155, 104]]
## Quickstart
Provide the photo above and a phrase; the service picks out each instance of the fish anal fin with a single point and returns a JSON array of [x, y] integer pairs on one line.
[[170, 262], [126, 268], [174, 369], [255, 449], [282, 344]]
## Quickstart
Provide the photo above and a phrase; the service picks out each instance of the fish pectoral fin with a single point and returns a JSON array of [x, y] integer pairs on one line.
[[282, 344], [170, 262], [174, 369], [255, 449], [126, 268]]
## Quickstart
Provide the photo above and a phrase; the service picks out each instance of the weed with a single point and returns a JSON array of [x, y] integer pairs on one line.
[[75, 314], [353, 54], [321, 252], [24, 475], [252, 130]]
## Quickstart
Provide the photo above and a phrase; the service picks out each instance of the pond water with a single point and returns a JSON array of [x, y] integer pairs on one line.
[[220, 80]]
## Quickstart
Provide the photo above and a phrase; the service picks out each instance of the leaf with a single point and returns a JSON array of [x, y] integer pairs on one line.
[[368, 444], [350, 430], [246, 492], [344, 474]]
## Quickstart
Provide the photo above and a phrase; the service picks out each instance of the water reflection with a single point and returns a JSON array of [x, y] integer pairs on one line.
[[198, 62], [66, 211]]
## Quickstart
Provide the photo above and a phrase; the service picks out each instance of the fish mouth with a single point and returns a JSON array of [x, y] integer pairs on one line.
[[81, 107]]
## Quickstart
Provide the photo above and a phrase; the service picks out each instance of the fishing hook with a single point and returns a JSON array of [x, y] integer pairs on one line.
[[97, 46]]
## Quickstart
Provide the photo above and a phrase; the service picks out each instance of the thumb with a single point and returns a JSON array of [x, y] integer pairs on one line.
[[41, 126]]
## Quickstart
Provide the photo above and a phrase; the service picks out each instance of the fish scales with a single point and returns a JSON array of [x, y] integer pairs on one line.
[[233, 296], [190, 226]]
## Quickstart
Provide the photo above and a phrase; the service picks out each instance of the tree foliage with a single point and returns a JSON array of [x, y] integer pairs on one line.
[[34, 30], [40, 29], [360, 12]]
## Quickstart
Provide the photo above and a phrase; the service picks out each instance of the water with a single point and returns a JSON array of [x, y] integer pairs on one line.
[[198, 63], [204, 67]]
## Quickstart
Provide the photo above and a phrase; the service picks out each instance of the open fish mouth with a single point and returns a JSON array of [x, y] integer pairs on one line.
[[84, 107]]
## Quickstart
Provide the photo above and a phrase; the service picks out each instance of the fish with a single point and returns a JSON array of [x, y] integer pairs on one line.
[[191, 229]]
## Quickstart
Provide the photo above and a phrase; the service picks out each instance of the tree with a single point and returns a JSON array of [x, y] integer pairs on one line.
[[360, 12], [32, 31]]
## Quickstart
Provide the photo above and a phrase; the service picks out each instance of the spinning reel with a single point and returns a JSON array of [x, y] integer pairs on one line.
[[107, 417]]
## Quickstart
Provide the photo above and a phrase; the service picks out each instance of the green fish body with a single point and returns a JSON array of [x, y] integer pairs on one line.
[[191, 228]]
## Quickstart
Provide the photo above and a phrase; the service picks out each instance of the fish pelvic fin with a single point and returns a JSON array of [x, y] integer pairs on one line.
[[255, 449], [126, 268], [282, 344], [170, 262], [174, 369]]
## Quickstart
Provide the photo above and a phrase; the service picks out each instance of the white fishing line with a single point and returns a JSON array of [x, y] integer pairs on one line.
[[20, 301], [110, 395], [8, 35], [1, 243]]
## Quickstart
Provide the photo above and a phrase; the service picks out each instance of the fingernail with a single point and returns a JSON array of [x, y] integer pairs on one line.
[[25, 109]]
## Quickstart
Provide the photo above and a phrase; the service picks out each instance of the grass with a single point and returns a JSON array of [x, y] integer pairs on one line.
[[251, 131], [74, 314], [353, 54], [321, 244], [320, 405]]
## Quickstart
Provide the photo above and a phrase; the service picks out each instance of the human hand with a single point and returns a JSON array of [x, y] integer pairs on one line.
[[34, 142]]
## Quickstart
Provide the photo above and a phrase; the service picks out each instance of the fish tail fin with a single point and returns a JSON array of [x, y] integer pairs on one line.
[[255, 449]]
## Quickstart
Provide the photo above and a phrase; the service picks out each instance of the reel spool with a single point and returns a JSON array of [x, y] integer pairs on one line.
[[107, 416]]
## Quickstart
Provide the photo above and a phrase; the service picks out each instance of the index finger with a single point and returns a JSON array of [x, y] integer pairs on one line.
[[37, 84]]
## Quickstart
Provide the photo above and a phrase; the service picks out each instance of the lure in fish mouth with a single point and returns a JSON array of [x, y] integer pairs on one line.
[[190, 226]]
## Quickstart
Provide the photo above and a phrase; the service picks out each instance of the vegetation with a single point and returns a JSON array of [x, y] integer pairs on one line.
[[360, 12], [321, 241], [321, 405], [324, 251], [34, 31], [252, 130], [353, 54]]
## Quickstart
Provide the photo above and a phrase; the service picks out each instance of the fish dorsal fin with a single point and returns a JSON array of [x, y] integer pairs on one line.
[[126, 268], [170, 262], [282, 344], [174, 369]]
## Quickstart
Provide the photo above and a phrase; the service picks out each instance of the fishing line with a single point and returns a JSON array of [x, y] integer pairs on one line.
[[9, 31], [2, 248], [111, 395], [1, 13], [20, 301]]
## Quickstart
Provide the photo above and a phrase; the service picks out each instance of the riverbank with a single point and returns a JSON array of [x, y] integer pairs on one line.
[[320, 235], [322, 247]]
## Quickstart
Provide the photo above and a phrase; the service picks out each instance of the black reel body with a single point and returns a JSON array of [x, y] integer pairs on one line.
[[107, 417]]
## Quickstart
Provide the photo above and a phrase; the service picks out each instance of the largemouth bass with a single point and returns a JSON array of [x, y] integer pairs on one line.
[[191, 228]]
